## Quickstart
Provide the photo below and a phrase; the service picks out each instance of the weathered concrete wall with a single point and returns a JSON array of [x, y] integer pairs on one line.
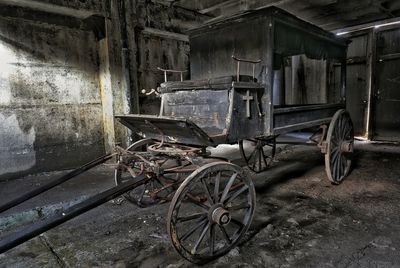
[[157, 50], [60, 86], [161, 42], [50, 107]]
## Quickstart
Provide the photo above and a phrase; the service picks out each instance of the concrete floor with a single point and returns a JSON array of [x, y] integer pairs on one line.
[[301, 219]]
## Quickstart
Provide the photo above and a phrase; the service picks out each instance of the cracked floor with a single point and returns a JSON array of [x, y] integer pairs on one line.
[[301, 220]]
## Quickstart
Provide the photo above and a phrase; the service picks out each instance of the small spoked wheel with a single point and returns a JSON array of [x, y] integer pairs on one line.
[[140, 195], [257, 160], [339, 147], [211, 211]]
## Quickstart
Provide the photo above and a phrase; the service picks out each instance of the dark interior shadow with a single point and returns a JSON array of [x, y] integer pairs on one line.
[[283, 172]]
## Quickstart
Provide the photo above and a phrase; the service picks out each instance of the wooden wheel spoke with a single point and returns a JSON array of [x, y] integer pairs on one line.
[[335, 155], [336, 130], [201, 237], [236, 193], [225, 234], [338, 166], [190, 217], [194, 235], [255, 159], [264, 158], [193, 229], [334, 151], [212, 238], [335, 169], [251, 155], [347, 132], [334, 142], [216, 187], [343, 163], [239, 224], [228, 187], [207, 191], [345, 126], [337, 163], [198, 203]]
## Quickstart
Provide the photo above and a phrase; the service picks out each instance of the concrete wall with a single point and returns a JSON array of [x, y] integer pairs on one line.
[[161, 42], [158, 50], [61, 84], [50, 106]]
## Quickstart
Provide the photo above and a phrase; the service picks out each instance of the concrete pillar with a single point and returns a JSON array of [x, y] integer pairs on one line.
[[106, 95]]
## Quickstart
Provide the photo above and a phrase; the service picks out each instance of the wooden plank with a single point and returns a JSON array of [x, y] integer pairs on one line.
[[299, 126], [301, 108], [393, 56], [371, 67], [165, 34], [218, 6]]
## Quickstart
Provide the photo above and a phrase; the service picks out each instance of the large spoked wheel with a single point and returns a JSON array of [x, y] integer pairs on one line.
[[339, 147], [257, 160], [211, 211], [124, 172]]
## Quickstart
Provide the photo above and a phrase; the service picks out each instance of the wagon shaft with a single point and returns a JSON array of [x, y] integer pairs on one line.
[[34, 230]]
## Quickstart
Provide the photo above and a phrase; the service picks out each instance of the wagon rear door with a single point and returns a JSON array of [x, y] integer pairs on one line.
[[387, 92]]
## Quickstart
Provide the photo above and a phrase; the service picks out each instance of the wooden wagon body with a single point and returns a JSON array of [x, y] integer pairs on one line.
[[228, 102]]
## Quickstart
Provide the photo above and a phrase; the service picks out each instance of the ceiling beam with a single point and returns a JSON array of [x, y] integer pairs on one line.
[[224, 4], [369, 25], [49, 8]]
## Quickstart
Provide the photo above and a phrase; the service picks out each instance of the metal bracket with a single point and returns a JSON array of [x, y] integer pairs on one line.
[[151, 91], [320, 142], [254, 62], [171, 71]]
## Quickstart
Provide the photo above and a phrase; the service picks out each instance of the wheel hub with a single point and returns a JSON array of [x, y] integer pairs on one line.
[[219, 215], [346, 147]]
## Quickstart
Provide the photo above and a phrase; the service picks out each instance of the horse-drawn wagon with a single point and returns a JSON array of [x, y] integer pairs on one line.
[[231, 97]]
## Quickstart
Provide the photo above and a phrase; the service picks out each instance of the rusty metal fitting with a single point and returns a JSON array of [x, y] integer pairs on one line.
[[346, 147], [324, 147]]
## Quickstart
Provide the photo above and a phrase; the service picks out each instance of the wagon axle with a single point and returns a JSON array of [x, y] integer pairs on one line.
[[347, 146]]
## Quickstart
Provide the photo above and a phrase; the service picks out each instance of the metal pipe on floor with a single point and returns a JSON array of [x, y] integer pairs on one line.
[[36, 229], [54, 183]]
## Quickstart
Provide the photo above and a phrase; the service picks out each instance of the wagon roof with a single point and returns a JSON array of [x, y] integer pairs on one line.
[[279, 15]]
